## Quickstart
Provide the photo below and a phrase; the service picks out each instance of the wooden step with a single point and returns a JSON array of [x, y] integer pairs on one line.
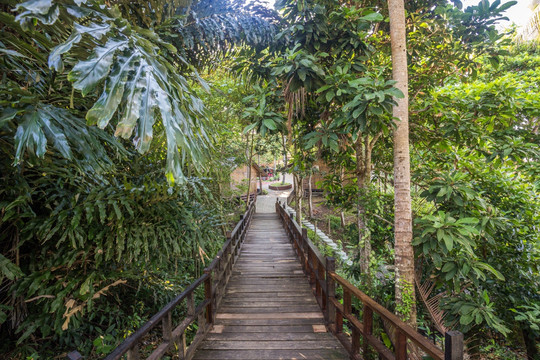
[[268, 310]]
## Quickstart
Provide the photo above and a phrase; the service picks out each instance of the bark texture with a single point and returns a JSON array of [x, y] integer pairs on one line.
[[362, 180], [285, 159], [405, 291], [250, 161], [364, 148], [297, 188], [310, 197], [260, 175]]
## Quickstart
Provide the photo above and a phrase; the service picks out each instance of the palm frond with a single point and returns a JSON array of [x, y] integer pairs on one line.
[[437, 315], [531, 31]]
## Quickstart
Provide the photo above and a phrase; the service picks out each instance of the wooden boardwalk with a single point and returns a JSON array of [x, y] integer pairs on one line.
[[269, 311]]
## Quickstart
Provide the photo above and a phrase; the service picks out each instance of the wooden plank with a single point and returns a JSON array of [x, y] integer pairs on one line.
[[254, 289], [262, 309], [267, 281], [266, 275], [229, 344], [275, 315], [263, 303], [318, 354], [268, 295], [268, 329], [283, 336], [268, 310]]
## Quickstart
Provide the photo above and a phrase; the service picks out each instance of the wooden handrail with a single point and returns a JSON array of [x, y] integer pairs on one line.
[[215, 279], [385, 314], [323, 278], [291, 196]]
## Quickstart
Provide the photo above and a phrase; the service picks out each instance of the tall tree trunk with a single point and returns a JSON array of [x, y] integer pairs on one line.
[[342, 178], [285, 160], [364, 240], [298, 189], [531, 342], [250, 159], [310, 196], [260, 174], [405, 292]]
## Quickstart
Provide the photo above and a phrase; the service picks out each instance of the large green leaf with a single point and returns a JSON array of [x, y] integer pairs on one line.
[[372, 17], [132, 100], [30, 136], [174, 136], [134, 69], [146, 119], [87, 74], [43, 10], [44, 124], [8, 269], [93, 29], [7, 114], [103, 110]]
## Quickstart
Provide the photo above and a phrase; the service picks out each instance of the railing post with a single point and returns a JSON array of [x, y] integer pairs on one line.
[[320, 278], [315, 262], [304, 248], [347, 302], [401, 345], [347, 310], [367, 320], [236, 242], [330, 292], [208, 296], [355, 342], [311, 273], [133, 353], [241, 229], [190, 304], [453, 345], [230, 256], [182, 349], [74, 355], [167, 327]]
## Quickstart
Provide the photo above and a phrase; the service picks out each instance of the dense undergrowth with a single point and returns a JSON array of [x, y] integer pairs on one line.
[[94, 237], [94, 255], [476, 213], [115, 158]]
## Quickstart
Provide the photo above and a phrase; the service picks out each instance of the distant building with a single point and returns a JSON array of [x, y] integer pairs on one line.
[[240, 175], [321, 169]]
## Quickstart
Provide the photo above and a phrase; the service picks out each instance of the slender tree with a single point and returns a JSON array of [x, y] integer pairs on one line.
[[249, 155], [531, 31], [404, 254]]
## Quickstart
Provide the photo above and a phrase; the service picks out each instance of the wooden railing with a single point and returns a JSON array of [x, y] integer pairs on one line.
[[323, 279], [292, 196], [252, 197], [214, 280]]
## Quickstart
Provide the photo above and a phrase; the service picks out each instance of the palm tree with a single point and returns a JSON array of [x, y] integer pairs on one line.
[[405, 292], [532, 29]]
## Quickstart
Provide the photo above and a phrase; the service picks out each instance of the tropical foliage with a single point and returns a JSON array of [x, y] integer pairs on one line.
[[121, 121], [91, 231]]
